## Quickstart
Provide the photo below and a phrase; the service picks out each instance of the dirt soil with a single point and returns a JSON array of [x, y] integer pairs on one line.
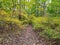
[[26, 37]]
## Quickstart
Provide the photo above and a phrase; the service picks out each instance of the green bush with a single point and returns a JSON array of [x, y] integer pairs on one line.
[[50, 26], [37, 22], [9, 26]]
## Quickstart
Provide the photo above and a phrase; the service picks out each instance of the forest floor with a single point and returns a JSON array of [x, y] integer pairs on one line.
[[26, 37]]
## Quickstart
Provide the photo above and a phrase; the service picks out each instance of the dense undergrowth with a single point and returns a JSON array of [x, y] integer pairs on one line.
[[9, 25], [42, 15], [48, 27]]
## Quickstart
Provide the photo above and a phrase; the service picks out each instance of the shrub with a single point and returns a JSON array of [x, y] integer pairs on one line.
[[50, 26], [37, 22], [9, 26]]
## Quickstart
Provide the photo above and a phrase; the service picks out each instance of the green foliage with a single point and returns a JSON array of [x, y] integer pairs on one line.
[[37, 22], [53, 9], [50, 33], [30, 12], [11, 20], [49, 25]]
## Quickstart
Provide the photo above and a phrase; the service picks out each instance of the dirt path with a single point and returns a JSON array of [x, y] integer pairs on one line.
[[28, 36]]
